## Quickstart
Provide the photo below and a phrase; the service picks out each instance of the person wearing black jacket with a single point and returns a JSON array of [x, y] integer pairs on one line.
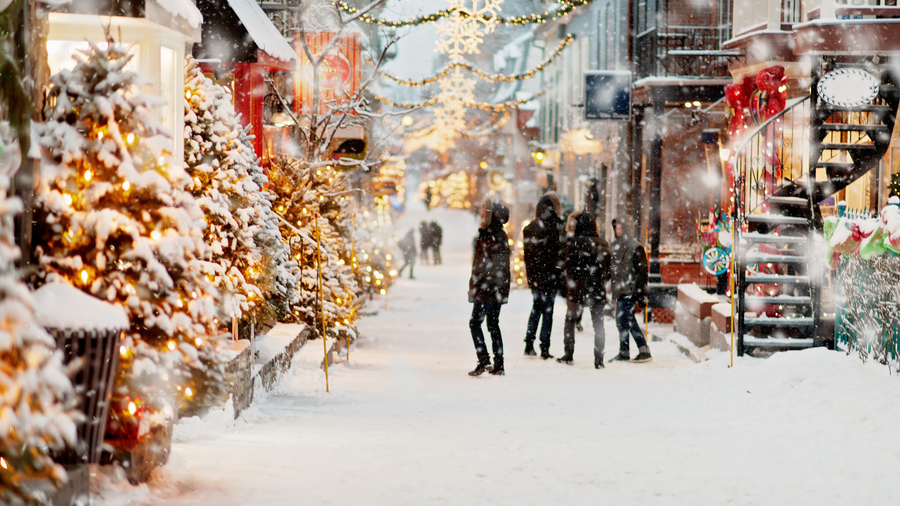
[[489, 285], [543, 268], [629, 288], [587, 271], [437, 236], [424, 240]]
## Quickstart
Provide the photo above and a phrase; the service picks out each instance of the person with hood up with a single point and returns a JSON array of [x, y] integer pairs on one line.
[[629, 288], [424, 240], [408, 247], [489, 285], [437, 236], [543, 269], [587, 271]]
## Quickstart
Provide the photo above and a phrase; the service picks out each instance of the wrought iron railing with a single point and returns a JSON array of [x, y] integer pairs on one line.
[[772, 159], [699, 48]]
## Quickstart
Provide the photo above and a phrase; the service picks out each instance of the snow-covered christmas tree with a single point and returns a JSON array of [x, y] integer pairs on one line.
[[248, 262], [302, 193], [114, 218], [35, 392]]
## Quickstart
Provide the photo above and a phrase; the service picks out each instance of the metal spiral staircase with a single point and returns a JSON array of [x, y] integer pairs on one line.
[[783, 169]]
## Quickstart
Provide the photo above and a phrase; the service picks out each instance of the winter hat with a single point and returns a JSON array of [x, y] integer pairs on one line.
[[585, 225], [557, 206], [500, 214]]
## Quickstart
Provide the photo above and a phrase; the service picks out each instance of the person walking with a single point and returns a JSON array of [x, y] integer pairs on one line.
[[629, 288], [424, 240], [489, 285], [437, 236], [427, 199], [587, 271], [543, 269], [408, 247]]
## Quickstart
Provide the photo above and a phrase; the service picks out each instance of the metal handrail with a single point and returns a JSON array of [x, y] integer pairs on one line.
[[739, 178]]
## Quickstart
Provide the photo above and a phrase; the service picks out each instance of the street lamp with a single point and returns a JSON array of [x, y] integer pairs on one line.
[[406, 121], [538, 156]]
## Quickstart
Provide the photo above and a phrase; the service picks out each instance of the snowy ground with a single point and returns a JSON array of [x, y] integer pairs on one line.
[[404, 424]]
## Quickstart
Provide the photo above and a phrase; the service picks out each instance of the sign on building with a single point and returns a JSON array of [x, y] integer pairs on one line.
[[339, 72], [607, 95]]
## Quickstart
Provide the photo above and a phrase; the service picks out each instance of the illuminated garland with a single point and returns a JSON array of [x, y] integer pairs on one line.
[[480, 73], [484, 106], [492, 126], [568, 6]]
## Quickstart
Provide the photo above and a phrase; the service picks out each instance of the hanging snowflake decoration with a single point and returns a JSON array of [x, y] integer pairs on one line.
[[463, 31]]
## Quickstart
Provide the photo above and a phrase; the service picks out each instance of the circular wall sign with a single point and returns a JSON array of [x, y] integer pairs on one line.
[[848, 87]]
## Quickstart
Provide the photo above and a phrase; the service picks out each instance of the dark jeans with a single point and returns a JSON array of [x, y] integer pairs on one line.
[[541, 307], [626, 323], [573, 313], [492, 311]]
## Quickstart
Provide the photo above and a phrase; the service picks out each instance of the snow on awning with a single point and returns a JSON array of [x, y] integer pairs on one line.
[[261, 30]]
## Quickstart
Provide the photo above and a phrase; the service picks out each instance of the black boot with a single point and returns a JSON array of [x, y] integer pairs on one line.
[[497, 370], [483, 364], [529, 349], [545, 353], [623, 356], [566, 359], [598, 363], [643, 355]]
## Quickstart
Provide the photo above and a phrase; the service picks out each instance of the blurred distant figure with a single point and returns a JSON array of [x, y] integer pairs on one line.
[[437, 236], [424, 240], [408, 247], [427, 198], [489, 285], [544, 269]]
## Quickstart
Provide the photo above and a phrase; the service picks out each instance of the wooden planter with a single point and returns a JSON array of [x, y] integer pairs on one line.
[[99, 351]]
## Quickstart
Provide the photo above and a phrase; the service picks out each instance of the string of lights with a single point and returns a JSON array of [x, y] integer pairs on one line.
[[480, 73], [567, 6], [496, 123], [484, 106]]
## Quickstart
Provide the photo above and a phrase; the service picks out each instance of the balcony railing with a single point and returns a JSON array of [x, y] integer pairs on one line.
[[682, 51], [753, 15]]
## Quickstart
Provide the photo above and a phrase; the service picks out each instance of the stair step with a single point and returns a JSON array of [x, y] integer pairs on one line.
[[777, 300], [835, 165], [776, 279], [776, 218], [756, 237], [768, 258], [787, 201], [847, 146], [777, 322], [861, 108], [783, 343], [850, 127]]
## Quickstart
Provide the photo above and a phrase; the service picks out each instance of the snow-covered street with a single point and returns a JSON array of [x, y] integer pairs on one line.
[[405, 424]]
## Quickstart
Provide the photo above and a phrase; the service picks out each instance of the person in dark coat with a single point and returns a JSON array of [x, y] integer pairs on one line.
[[427, 199], [587, 271], [408, 247], [489, 284], [543, 269], [424, 240], [629, 287], [437, 236]]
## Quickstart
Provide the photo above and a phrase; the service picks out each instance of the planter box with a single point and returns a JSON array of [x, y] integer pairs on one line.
[[696, 301]]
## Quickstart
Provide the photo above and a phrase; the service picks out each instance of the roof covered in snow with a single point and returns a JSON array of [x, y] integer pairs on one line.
[[183, 9], [62, 306], [261, 29]]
